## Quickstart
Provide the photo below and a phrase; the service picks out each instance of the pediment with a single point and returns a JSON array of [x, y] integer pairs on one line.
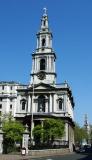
[[43, 86]]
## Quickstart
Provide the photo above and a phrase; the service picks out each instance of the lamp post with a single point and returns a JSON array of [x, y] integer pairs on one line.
[[32, 117]]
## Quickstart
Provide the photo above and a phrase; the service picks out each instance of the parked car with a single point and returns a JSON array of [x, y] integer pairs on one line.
[[82, 150]]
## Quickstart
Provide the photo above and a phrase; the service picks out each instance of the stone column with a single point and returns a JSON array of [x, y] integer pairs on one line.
[[25, 140], [66, 131], [7, 105], [29, 103], [34, 64], [47, 40], [65, 103], [48, 63], [53, 65], [50, 104], [40, 40], [53, 102], [46, 105], [51, 42], [37, 42], [37, 64], [70, 139]]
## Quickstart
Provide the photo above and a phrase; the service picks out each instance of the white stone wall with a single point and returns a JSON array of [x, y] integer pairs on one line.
[[69, 108], [18, 107], [66, 132], [8, 98], [50, 79]]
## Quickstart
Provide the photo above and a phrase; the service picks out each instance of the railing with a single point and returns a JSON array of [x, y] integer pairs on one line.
[[8, 95], [22, 87], [51, 145]]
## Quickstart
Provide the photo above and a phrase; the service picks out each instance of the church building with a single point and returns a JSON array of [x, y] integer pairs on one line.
[[42, 97]]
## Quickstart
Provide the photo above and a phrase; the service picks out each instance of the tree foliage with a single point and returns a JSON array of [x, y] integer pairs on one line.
[[13, 131], [80, 134], [54, 128], [51, 129], [91, 132]]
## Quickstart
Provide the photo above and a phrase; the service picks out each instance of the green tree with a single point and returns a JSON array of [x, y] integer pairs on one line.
[[90, 135], [38, 133], [54, 128], [51, 129], [80, 134], [12, 133]]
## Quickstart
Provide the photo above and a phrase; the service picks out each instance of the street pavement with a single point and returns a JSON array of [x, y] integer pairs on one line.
[[62, 157], [67, 157]]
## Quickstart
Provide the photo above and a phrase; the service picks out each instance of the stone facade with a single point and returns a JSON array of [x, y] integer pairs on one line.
[[42, 97], [8, 97]]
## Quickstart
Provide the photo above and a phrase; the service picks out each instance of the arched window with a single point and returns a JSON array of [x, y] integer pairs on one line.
[[60, 104], [41, 103], [23, 104], [44, 22], [43, 42], [42, 64]]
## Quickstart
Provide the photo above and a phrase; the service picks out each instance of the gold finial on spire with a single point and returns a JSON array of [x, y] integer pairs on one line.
[[45, 10]]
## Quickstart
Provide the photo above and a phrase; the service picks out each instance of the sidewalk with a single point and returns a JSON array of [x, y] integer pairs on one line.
[[29, 157], [33, 154], [14, 157]]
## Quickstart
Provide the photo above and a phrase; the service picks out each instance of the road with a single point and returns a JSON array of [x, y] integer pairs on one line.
[[67, 157], [62, 157]]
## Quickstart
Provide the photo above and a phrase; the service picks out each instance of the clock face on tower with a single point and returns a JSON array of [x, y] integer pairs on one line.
[[41, 75]]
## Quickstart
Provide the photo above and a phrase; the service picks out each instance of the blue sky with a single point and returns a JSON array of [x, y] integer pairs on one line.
[[71, 24]]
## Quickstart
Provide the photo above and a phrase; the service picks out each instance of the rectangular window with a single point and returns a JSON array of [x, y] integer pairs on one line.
[[11, 87], [0, 106], [2, 87], [10, 106], [0, 113], [60, 104], [0, 99], [11, 99]]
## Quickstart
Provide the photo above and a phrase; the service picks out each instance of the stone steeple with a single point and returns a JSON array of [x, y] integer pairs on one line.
[[44, 36], [43, 59]]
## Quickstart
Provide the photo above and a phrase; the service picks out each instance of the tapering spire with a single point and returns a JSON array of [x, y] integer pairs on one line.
[[45, 11], [44, 36], [43, 68], [85, 120], [44, 20]]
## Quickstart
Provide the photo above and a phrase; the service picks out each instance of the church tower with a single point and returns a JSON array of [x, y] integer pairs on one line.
[[43, 59], [42, 99]]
